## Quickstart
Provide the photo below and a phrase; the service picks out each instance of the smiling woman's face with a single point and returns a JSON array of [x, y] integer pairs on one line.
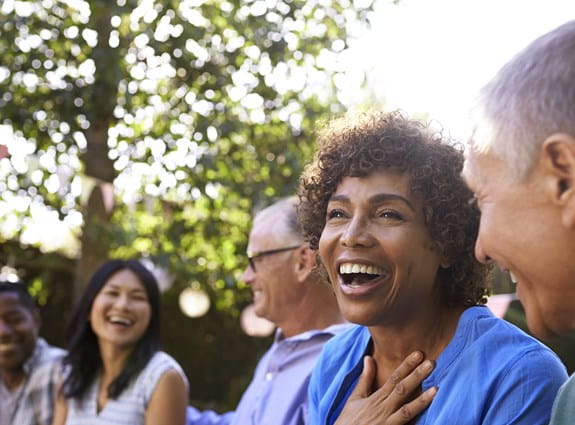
[[377, 250], [121, 311]]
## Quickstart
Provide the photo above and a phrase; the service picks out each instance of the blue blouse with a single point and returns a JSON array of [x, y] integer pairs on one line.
[[491, 373]]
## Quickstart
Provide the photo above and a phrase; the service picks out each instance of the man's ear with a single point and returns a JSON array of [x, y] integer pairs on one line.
[[559, 159], [306, 262]]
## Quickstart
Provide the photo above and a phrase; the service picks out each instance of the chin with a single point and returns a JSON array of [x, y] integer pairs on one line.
[[260, 312], [359, 317]]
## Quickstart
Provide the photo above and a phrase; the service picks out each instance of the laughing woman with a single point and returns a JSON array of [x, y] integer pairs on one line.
[[384, 205], [115, 373]]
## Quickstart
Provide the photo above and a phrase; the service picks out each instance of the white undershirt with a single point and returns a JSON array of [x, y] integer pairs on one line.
[[9, 400]]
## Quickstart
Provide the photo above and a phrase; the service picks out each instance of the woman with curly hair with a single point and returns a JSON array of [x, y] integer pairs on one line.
[[115, 373], [394, 225]]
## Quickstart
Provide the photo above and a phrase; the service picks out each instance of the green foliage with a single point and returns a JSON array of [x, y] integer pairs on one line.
[[207, 110], [199, 112]]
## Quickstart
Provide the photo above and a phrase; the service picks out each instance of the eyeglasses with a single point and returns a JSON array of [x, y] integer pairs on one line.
[[253, 255]]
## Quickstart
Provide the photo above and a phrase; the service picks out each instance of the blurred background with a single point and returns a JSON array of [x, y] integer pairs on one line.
[[155, 129]]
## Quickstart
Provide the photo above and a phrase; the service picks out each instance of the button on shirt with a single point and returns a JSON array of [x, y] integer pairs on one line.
[[277, 394], [32, 402]]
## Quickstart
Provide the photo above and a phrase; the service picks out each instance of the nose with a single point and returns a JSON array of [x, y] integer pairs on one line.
[[356, 233], [122, 301], [248, 275], [481, 253]]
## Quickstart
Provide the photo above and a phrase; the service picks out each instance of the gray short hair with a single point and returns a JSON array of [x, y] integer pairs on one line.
[[530, 98], [285, 211]]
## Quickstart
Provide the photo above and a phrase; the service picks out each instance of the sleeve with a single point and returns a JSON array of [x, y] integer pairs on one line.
[[564, 407], [207, 417], [526, 392]]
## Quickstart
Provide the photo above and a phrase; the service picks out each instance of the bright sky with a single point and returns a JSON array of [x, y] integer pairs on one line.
[[432, 56]]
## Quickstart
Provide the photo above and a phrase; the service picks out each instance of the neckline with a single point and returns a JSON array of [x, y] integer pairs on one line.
[[456, 345], [21, 389]]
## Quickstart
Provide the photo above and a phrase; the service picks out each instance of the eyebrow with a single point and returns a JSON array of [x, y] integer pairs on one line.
[[378, 198], [115, 286]]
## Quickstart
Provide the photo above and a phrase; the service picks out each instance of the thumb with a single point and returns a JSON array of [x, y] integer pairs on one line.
[[365, 383]]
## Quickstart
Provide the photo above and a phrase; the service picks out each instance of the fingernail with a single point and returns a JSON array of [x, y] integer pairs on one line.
[[429, 365], [417, 356]]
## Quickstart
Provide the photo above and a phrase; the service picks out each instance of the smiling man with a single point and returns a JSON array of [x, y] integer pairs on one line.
[[28, 365], [521, 166], [288, 292]]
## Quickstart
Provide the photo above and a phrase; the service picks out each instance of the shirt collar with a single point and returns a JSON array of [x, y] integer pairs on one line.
[[332, 330], [33, 359]]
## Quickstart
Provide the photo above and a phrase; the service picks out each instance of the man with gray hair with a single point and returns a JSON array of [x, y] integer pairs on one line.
[[288, 292], [521, 166]]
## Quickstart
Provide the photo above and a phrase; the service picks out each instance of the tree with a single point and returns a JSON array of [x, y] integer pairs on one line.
[[191, 113], [195, 109]]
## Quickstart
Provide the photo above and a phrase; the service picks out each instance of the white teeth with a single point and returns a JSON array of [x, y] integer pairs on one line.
[[347, 268], [513, 277], [120, 320], [6, 347]]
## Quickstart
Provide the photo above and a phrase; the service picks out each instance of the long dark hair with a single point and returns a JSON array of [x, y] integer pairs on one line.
[[84, 359]]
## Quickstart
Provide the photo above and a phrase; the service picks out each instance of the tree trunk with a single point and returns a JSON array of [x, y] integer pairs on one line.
[[96, 238]]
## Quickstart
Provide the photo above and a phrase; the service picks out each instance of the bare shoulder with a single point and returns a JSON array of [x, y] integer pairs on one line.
[[171, 379], [169, 400]]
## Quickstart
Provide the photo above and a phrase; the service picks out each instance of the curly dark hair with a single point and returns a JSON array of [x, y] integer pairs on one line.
[[356, 146]]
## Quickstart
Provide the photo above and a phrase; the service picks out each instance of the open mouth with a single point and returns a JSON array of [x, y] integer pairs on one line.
[[513, 277], [354, 274], [119, 320], [5, 347]]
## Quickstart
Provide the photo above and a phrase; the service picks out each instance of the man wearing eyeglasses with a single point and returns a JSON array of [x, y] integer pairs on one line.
[[288, 292]]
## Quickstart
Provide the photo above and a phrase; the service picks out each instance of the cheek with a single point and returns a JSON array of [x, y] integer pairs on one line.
[[27, 332], [326, 243], [499, 217], [321, 249], [147, 315], [95, 310], [324, 255]]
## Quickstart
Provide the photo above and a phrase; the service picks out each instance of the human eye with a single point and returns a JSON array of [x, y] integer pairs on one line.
[[111, 292], [334, 213], [15, 318], [390, 214], [139, 297]]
